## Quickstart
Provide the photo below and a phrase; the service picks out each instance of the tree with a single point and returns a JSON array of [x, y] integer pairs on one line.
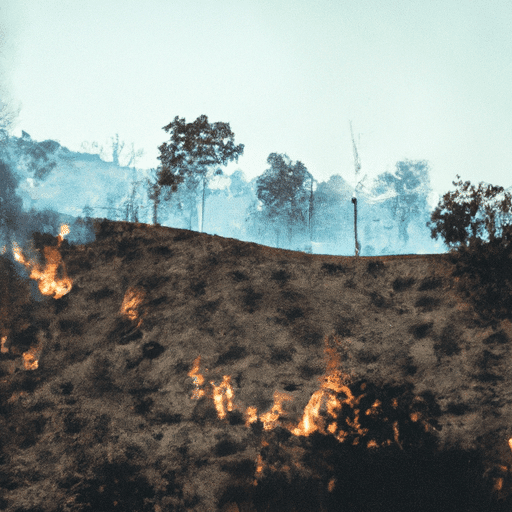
[[194, 153], [115, 149], [470, 216], [409, 187], [284, 193]]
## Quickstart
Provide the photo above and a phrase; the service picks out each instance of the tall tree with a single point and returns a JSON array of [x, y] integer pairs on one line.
[[284, 193], [408, 187], [195, 153]]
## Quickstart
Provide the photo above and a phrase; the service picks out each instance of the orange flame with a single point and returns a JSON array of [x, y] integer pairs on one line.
[[219, 397], [250, 415], [198, 379], [31, 358], [3, 348], [269, 419], [48, 284], [131, 302]]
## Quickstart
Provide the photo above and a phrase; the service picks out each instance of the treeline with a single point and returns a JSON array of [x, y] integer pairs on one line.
[[283, 207]]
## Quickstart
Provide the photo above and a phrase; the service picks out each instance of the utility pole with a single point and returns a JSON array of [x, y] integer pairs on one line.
[[357, 166], [310, 212]]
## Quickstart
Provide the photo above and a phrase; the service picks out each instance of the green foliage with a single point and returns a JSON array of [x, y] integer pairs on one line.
[[283, 192], [472, 216], [195, 153], [194, 149]]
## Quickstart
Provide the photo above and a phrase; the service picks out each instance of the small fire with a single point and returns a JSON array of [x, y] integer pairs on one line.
[[3, 348], [197, 378], [131, 302], [31, 358], [270, 419], [223, 393], [48, 283]]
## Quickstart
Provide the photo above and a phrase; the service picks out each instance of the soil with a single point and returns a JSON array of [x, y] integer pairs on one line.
[[108, 419]]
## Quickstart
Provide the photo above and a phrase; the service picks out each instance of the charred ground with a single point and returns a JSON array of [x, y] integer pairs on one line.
[[107, 422]]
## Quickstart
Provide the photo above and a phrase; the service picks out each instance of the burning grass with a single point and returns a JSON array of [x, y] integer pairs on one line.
[[215, 375]]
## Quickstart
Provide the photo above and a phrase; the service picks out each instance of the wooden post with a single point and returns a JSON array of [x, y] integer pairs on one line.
[[354, 200]]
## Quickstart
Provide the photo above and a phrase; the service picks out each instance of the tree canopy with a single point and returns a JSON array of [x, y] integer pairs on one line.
[[408, 187], [282, 190], [470, 215], [195, 152]]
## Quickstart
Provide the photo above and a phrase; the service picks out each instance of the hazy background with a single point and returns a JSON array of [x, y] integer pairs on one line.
[[419, 80]]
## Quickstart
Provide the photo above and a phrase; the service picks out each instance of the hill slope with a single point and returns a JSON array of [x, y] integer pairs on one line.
[[108, 420]]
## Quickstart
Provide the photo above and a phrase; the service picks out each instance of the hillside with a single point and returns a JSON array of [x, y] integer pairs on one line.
[[117, 416]]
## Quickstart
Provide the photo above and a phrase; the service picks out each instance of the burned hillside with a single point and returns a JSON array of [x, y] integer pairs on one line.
[[184, 371]]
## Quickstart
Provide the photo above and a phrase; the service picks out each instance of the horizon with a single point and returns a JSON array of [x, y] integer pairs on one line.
[[417, 82]]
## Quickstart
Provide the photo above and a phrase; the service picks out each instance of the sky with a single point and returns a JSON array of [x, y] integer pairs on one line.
[[421, 80]]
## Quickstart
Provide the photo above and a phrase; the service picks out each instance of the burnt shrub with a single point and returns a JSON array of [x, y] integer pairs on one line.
[[251, 299], [280, 356], [239, 276], [375, 267], [457, 409], [226, 447], [448, 344], [234, 353], [307, 372], [281, 276], [124, 332], [115, 486], [25, 338], [307, 335], [379, 301], [161, 250], [430, 283], [205, 310], [400, 284], [66, 388], [98, 295], [152, 350], [167, 418], [343, 326], [420, 331], [293, 314], [498, 338], [72, 424], [71, 326], [198, 288], [332, 269], [183, 235], [427, 303]]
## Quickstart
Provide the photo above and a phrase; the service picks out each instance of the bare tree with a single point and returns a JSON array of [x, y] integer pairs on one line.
[[115, 150]]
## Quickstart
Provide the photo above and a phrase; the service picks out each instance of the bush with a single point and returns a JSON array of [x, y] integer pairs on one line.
[[471, 216]]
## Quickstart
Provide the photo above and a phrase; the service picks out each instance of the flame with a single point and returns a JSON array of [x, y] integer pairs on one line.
[[131, 302], [48, 284], [269, 419], [219, 397], [31, 358], [333, 384], [510, 443], [250, 415], [198, 379], [3, 348]]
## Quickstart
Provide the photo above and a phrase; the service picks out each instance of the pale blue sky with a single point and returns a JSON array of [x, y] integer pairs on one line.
[[421, 79]]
